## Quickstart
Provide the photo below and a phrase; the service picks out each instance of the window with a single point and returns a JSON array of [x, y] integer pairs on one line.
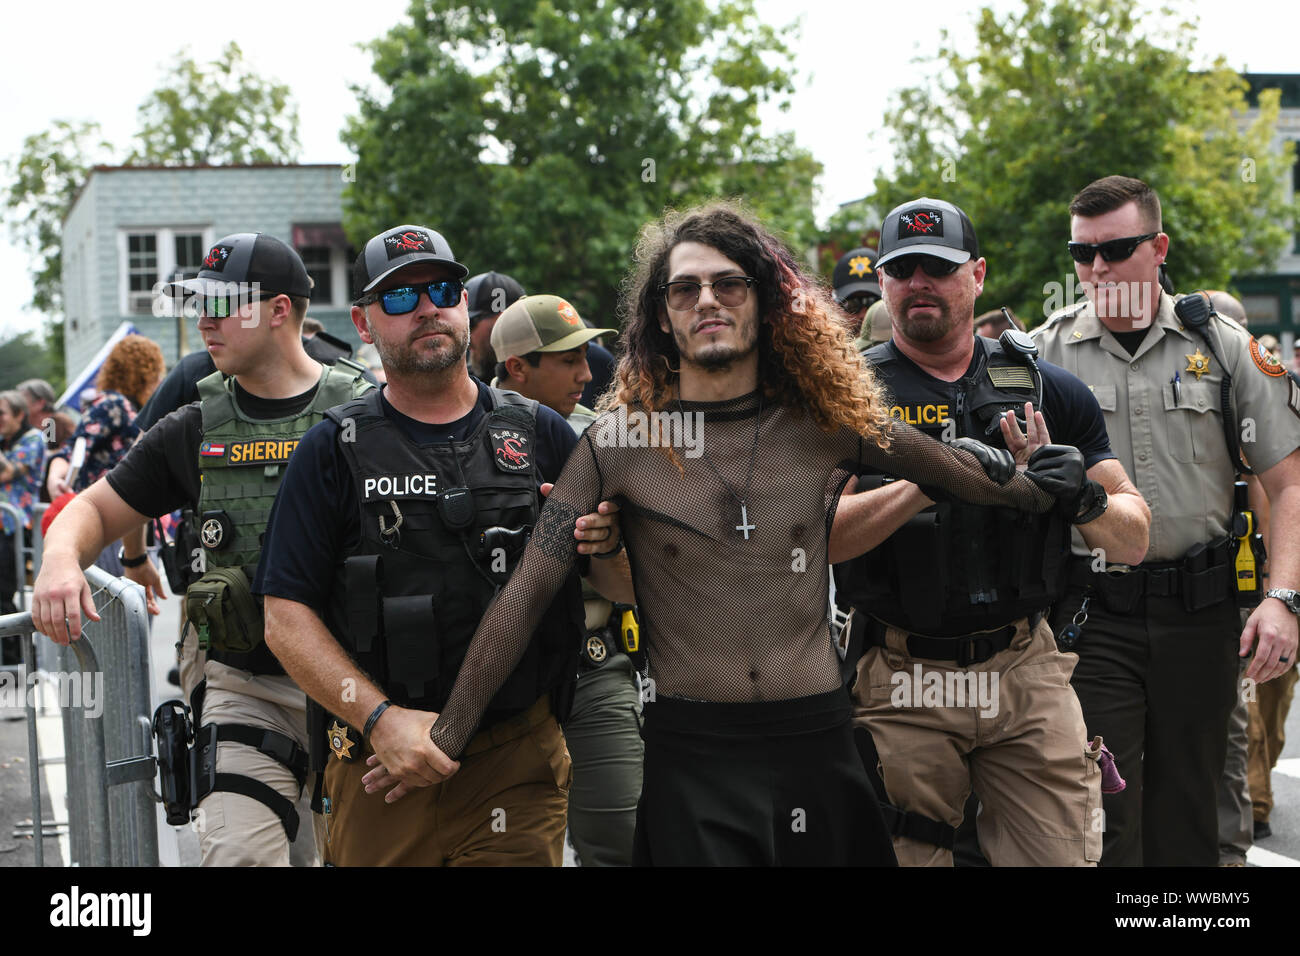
[[189, 253], [148, 256], [141, 271], [317, 261], [1295, 189]]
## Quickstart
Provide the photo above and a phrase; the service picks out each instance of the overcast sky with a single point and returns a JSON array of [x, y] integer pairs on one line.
[[84, 60]]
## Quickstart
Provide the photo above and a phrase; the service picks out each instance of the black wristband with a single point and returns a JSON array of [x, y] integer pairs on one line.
[[604, 555], [373, 719], [131, 562], [1091, 503]]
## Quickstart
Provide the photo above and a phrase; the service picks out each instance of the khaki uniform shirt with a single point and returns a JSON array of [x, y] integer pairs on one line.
[[1171, 441]]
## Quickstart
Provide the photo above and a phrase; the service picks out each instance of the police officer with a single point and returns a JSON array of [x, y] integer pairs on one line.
[[855, 284], [542, 344], [1158, 651], [401, 517], [958, 595], [223, 458], [490, 294]]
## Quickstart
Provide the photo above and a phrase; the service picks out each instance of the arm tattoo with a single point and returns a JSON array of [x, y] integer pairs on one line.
[[553, 534]]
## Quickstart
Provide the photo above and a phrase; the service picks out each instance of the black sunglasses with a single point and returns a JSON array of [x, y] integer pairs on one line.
[[933, 266], [444, 293], [856, 303], [1112, 250]]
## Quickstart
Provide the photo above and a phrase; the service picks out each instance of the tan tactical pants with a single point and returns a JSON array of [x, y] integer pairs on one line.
[[1268, 713], [1010, 727], [505, 806], [235, 830]]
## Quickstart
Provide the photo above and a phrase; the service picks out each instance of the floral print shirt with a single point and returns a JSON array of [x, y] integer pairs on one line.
[[109, 429], [27, 450]]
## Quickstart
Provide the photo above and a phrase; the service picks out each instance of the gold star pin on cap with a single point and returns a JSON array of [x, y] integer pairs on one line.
[[1197, 363], [859, 266]]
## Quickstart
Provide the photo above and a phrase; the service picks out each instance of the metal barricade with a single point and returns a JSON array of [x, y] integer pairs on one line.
[[105, 694]]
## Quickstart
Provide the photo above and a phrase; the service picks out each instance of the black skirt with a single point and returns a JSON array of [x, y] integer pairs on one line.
[[770, 783]]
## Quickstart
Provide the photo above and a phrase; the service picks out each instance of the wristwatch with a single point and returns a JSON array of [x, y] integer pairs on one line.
[[131, 562], [1288, 596], [1092, 503]]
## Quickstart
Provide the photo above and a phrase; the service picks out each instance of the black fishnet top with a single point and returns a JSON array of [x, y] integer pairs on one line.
[[722, 618]]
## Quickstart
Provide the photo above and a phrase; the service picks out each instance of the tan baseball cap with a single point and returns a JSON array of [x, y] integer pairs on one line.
[[877, 326], [540, 323]]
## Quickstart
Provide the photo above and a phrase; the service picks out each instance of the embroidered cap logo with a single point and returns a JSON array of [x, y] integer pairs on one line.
[[216, 258], [928, 222], [404, 243]]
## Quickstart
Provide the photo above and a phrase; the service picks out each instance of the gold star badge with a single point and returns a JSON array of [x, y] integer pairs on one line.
[[859, 266], [339, 742], [1197, 363]]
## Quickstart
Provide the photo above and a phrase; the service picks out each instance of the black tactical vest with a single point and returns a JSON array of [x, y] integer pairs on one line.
[[442, 527], [956, 568]]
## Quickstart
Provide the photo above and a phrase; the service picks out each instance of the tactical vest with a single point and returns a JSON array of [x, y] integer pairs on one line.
[[241, 463], [442, 528], [957, 568]]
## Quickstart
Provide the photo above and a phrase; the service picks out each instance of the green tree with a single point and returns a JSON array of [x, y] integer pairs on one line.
[[222, 113], [541, 134], [28, 356], [1065, 92], [44, 179]]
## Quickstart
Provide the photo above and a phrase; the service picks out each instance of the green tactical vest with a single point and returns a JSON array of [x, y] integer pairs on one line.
[[241, 464], [241, 461]]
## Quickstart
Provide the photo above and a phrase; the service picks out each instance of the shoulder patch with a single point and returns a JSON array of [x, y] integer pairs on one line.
[[1265, 360], [1067, 312]]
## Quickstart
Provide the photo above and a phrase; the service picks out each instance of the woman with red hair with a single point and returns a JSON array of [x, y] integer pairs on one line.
[[128, 377]]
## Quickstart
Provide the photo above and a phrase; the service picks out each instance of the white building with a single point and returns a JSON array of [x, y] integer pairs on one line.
[[132, 227]]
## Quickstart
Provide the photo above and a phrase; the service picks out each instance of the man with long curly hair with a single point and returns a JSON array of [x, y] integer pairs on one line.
[[734, 352]]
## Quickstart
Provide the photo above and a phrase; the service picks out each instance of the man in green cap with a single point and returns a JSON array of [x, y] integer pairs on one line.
[[541, 345]]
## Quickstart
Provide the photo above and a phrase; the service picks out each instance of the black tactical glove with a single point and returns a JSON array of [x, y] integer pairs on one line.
[[998, 464], [1059, 471]]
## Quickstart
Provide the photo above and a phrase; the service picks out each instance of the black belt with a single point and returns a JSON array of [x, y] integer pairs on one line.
[[1202, 581], [964, 650]]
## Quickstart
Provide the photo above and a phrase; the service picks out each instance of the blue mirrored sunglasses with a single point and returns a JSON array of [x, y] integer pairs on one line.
[[444, 293]]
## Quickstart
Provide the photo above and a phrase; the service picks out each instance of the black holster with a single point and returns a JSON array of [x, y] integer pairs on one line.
[[175, 735]]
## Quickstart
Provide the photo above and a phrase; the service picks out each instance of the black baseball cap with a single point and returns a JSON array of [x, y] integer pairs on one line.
[[929, 227], [398, 248], [490, 293], [249, 258], [854, 273]]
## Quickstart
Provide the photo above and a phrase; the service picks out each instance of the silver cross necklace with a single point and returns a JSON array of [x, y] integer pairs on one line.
[[744, 527]]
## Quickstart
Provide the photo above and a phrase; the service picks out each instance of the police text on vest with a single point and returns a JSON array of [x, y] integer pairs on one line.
[[400, 486]]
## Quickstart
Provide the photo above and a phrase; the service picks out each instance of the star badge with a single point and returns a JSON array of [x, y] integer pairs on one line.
[[859, 266], [339, 742], [1197, 363]]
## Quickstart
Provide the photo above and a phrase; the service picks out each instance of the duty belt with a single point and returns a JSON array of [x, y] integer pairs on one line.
[[964, 650], [1203, 579]]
